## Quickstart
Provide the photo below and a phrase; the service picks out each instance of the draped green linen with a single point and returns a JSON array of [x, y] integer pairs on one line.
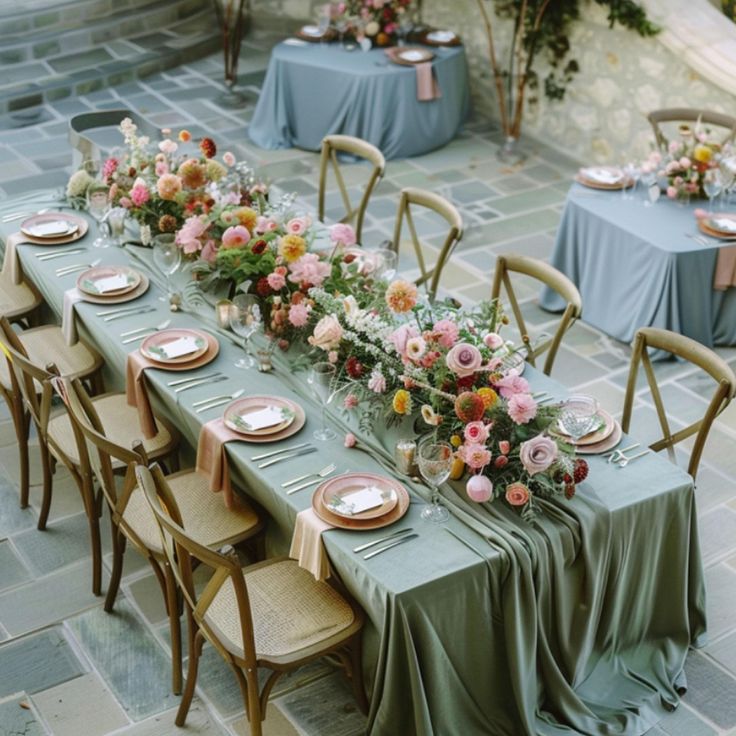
[[576, 624]]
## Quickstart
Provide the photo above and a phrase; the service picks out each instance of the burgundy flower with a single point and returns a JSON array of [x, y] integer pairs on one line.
[[259, 246], [354, 367], [208, 147], [263, 288]]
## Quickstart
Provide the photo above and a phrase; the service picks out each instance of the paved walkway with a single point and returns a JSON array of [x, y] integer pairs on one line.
[[68, 668]]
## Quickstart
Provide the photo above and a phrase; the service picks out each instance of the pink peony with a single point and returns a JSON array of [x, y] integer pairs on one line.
[[235, 237], [447, 332], [139, 195], [298, 225], [511, 384], [298, 315], [191, 231], [464, 359], [350, 440], [479, 488], [277, 280], [475, 455], [209, 252], [401, 336], [517, 494], [327, 334], [168, 186], [377, 382], [476, 432], [493, 341], [537, 454], [343, 233], [522, 408], [351, 401], [310, 270]]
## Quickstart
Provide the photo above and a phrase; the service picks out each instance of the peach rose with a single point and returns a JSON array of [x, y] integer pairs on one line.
[[327, 334], [517, 494]]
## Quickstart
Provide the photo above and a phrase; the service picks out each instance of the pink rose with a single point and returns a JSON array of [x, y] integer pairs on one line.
[[298, 315], [476, 432], [672, 192], [493, 341], [512, 383], [479, 488], [504, 447], [235, 237], [464, 359], [350, 440], [447, 332], [343, 233], [401, 336], [537, 454], [298, 225], [522, 408], [327, 334], [517, 494], [474, 455], [501, 461], [276, 280], [309, 269]]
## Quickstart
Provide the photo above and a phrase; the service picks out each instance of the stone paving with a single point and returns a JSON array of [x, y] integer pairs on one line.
[[66, 667]]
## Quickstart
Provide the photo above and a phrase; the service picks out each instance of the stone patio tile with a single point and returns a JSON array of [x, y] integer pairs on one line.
[[713, 488], [719, 452], [66, 499], [37, 662], [146, 592], [572, 369], [12, 517], [11, 170], [724, 652], [711, 692], [684, 722], [717, 534], [130, 660], [543, 173], [610, 397], [528, 201], [471, 191], [720, 583], [12, 570], [510, 227], [512, 183], [199, 723], [275, 724], [66, 708], [17, 718]]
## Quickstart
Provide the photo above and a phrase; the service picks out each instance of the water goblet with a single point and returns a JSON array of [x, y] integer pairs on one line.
[[631, 175], [245, 318], [387, 262], [98, 205], [342, 25], [712, 186], [167, 257], [649, 180], [579, 416], [320, 380], [116, 221], [435, 463]]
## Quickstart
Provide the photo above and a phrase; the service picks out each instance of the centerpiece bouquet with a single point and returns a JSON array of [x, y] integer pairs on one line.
[[379, 21], [452, 370]]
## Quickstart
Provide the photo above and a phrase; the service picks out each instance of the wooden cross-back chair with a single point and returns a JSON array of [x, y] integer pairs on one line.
[[697, 354], [131, 517], [554, 279], [690, 115], [332, 145], [411, 199], [273, 614]]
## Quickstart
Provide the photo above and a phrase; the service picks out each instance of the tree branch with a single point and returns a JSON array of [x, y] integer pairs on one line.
[[497, 75]]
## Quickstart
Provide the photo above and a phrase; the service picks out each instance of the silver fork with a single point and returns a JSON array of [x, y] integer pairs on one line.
[[312, 482], [19, 215], [617, 455], [625, 461], [144, 332], [219, 402], [325, 471], [66, 270]]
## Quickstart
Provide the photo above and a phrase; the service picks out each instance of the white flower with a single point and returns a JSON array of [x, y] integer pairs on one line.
[[350, 305], [377, 382], [146, 234], [78, 183]]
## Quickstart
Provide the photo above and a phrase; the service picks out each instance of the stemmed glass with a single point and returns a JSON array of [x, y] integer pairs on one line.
[[631, 174], [712, 186], [406, 25], [245, 318], [98, 205], [579, 416], [728, 172], [342, 25], [167, 257], [435, 462], [387, 260], [321, 379], [649, 179]]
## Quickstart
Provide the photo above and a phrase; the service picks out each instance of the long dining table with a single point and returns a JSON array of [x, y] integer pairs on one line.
[[578, 623]]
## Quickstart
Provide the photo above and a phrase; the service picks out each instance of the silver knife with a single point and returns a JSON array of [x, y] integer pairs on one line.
[[199, 382], [305, 451], [387, 538], [278, 452], [212, 405], [142, 310], [399, 541], [302, 486], [137, 337], [60, 254], [189, 379], [118, 310]]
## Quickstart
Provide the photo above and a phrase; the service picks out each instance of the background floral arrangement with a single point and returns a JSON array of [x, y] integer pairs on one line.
[[377, 20]]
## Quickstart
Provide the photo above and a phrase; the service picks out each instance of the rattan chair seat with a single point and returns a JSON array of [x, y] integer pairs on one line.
[[16, 300], [206, 517], [291, 611]]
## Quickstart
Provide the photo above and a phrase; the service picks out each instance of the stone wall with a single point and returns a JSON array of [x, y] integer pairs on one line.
[[622, 77]]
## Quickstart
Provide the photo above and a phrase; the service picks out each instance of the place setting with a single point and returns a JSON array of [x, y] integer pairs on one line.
[[587, 426], [603, 177]]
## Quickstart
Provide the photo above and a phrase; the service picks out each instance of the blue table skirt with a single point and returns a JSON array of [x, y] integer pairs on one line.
[[635, 266], [315, 90]]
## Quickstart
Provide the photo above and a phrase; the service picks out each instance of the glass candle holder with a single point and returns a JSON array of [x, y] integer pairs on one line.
[[405, 456], [222, 313], [263, 358]]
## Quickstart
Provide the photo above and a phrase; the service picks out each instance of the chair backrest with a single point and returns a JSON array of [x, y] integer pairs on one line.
[[555, 280], [690, 115], [331, 146], [181, 548], [692, 351], [409, 200]]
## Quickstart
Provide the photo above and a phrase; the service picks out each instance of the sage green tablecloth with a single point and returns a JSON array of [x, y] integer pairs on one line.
[[578, 624]]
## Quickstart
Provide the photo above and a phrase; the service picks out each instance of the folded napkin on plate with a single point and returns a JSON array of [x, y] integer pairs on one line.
[[211, 459], [306, 544], [725, 274], [427, 87], [68, 323], [136, 392], [11, 263], [604, 176]]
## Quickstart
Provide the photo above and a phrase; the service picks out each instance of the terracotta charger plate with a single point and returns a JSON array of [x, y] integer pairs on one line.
[[234, 411], [586, 180], [213, 348], [115, 298], [149, 347], [85, 283], [79, 224], [438, 37], [592, 438], [409, 55], [314, 35], [293, 427], [604, 445], [397, 501], [709, 227]]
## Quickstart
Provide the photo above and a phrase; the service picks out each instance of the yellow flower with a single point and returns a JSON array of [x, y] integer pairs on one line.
[[489, 396], [456, 440], [402, 402], [246, 217], [215, 170], [401, 296], [292, 247], [702, 153]]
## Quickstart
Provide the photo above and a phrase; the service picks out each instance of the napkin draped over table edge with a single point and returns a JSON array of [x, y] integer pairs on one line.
[[11, 262], [68, 322], [212, 460], [306, 544], [136, 392], [725, 273], [427, 87]]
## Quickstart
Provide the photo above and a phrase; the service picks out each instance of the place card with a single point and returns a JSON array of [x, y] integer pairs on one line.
[[177, 348], [358, 501], [53, 228], [111, 283], [262, 418]]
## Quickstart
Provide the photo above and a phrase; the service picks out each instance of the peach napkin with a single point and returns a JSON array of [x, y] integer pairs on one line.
[[211, 459], [68, 324], [136, 392], [306, 544], [427, 87], [11, 264], [725, 275]]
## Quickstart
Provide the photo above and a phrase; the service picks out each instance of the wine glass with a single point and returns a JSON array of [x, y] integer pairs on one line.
[[387, 262], [167, 257], [579, 416], [116, 222], [649, 179], [98, 205], [321, 379], [342, 25], [245, 318], [406, 26], [712, 186], [435, 462], [631, 174]]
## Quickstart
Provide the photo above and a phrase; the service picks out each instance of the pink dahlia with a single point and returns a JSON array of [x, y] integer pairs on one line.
[[298, 315], [522, 408], [309, 269]]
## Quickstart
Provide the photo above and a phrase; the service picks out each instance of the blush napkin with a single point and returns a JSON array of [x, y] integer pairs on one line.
[[136, 392], [306, 544], [427, 87], [725, 275], [211, 458]]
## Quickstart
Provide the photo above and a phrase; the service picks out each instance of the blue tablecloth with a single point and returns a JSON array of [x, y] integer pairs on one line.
[[315, 90], [636, 266]]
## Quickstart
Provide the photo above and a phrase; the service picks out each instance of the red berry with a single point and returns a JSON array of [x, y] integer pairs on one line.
[[569, 491], [567, 478], [581, 470]]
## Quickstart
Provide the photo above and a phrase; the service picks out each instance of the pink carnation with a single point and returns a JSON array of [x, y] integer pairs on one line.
[[343, 233], [475, 455], [447, 332], [310, 270], [377, 382], [298, 315], [522, 408], [109, 167], [351, 401], [276, 280], [511, 384], [235, 237]]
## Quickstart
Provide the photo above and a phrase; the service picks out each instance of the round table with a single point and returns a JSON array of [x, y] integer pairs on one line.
[[313, 90]]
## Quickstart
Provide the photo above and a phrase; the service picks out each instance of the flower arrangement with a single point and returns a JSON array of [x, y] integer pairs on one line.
[[171, 188], [399, 357], [377, 20]]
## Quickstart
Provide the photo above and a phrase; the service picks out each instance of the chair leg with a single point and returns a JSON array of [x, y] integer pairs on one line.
[[22, 425], [97, 383], [48, 479], [118, 556], [90, 507], [172, 606], [249, 689], [194, 653], [356, 671]]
